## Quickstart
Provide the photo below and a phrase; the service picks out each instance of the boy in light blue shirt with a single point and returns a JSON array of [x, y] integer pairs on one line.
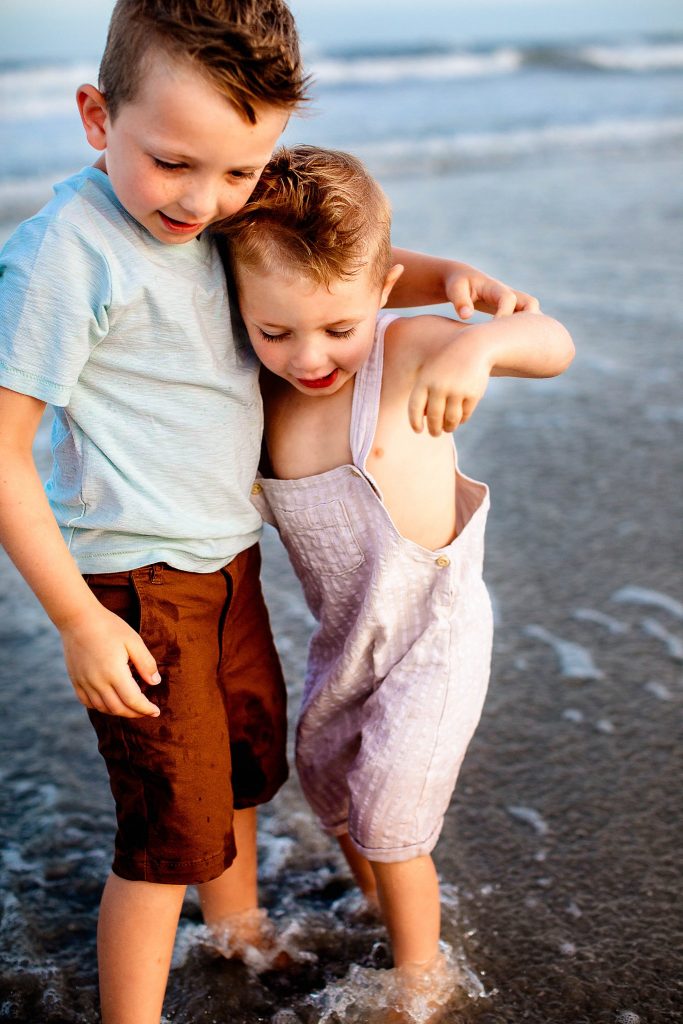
[[114, 310]]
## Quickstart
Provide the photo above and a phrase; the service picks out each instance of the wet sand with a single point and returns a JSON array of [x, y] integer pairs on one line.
[[562, 847]]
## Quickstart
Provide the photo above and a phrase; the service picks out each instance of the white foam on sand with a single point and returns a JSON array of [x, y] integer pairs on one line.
[[642, 595], [605, 726], [529, 816], [658, 690], [576, 661], [612, 625], [673, 643]]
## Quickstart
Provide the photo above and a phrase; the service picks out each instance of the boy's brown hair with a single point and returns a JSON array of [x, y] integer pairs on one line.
[[248, 49], [316, 211]]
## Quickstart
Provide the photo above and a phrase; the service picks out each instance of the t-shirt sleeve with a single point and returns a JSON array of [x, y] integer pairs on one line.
[[55, 291]]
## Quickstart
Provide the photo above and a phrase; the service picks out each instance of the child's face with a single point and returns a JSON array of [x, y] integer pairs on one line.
[[314, 337], [179, 155]]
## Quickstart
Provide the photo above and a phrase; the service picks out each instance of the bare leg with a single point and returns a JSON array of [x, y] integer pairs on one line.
[[409, 898], [135, 935], [230, 904], [362, 870], [236, 890]]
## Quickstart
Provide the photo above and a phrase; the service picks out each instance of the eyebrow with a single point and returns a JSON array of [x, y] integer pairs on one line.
[[336, 323]]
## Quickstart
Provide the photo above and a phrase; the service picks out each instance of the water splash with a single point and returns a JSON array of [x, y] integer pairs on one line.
[[251, 937], [394, 996]]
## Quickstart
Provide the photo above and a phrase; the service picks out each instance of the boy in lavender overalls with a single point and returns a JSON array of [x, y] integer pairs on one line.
[[383, 530]]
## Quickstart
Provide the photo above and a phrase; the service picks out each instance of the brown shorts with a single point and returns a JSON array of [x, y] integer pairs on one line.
[[219, 741]]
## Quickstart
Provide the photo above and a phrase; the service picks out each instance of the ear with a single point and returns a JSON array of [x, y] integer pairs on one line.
[[93, 110], [389, 282]]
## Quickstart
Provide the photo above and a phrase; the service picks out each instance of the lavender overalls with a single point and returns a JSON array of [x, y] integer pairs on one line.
[[399, 664]]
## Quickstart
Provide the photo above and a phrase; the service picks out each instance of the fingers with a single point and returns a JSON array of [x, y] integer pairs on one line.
[[453, 414], [100, 652], [416, 407], [121, 696], [443, 412], [144, 663], [461, 296], [468, 407], [507, 304], [83, 697], [527, 303], [128, 700]]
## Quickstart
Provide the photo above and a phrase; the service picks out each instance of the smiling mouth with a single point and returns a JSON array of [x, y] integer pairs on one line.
[[178, 226], [320, 382]]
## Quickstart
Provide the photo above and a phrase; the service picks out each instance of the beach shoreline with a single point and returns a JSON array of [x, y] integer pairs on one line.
[[560, 854]]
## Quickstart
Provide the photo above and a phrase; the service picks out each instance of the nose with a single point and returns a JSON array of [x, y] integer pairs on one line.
[[308, 360], [199, 201]]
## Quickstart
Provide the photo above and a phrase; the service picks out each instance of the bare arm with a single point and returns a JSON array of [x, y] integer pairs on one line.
[[97, 644], [428, 280], [454, 362]]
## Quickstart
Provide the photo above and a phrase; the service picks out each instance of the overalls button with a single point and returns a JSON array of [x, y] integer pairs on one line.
[[442, 561], [256, 489]]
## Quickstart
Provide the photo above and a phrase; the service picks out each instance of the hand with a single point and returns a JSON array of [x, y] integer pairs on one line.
[[97, 650], [450, 384], [469, 289]]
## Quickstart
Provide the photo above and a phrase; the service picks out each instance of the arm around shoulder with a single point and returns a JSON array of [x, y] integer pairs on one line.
[[432, 279]]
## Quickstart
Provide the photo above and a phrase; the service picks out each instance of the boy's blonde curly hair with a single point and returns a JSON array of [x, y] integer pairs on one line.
[[316, 212]]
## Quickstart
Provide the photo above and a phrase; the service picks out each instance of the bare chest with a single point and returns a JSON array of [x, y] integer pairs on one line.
[[414, 472], [307, 436]]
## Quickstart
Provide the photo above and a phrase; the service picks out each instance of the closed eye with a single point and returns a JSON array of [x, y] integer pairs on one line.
[[271, 337], [342, 334], [164, 165]]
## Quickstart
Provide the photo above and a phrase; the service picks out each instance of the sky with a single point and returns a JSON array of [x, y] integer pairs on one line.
[[76, 28]]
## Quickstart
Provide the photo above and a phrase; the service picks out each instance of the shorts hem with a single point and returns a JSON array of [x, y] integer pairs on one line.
[[395, 854], [335, 830], [169, 872]]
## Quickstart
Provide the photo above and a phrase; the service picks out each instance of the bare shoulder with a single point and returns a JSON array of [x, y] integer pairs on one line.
[[410, 340]]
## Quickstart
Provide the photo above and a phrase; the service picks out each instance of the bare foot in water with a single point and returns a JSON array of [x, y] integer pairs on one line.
[[423, 992], [252, 937]]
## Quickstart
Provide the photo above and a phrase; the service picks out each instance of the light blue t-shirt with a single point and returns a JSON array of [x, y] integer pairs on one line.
[[158, 415]]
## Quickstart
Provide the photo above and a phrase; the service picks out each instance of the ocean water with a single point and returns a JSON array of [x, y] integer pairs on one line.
[[407, 109], [558, 167]]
